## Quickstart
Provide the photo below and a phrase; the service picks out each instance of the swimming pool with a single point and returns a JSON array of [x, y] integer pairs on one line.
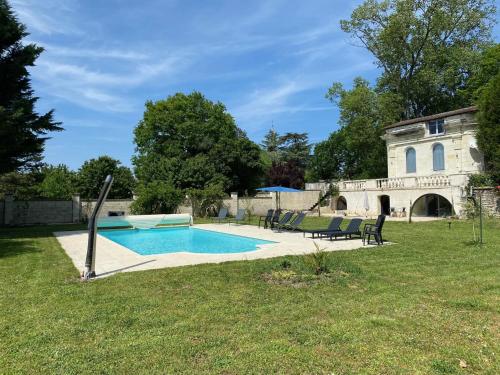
[[181, 239]]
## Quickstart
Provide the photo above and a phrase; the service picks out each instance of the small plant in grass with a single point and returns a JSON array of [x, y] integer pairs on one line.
[[286, 264], [317, 260]]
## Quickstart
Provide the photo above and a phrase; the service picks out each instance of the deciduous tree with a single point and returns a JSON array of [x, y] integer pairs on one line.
[[426, 49], [93, 172]]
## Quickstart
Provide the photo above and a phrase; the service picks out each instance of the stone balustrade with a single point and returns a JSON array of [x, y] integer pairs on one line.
[[353, 185], [432, 181]]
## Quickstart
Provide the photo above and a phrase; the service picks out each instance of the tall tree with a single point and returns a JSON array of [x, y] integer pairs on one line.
[[190, 142], [356, 150], [488, 134], [289, 155], [23, 132], [296, 147], [93, 172], [427, 49], [271, 144]]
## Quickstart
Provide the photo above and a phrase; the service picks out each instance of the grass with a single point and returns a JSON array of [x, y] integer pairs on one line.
[[428, 304]]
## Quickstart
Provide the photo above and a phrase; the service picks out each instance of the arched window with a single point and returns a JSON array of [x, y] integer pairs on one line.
[[411, 160], [438, 157]]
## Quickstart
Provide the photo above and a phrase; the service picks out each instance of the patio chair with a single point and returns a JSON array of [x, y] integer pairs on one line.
[[374, 230], [351, 230], [334, 226], [266, 219], [294, 224], [240, 216], [285, 219], [221, 216], [276, 218]]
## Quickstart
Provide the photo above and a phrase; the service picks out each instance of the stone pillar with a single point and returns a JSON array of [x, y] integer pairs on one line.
[[77, 208], [9, 209], [234, 203]]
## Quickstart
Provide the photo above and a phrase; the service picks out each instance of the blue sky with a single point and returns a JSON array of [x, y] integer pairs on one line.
[[270, 62]]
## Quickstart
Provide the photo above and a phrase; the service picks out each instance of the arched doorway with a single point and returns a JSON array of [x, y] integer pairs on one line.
[[433, 205], [385, 205], [341, 204]]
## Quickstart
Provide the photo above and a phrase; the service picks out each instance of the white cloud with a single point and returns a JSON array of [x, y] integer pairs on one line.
[[47, 16]]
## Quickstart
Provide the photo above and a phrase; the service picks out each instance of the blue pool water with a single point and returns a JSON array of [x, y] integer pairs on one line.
[[173, 240]]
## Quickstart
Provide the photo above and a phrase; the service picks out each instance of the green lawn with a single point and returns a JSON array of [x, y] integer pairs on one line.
[[419, 306]]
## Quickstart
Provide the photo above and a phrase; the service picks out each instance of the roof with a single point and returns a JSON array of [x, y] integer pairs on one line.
[[432, 117]]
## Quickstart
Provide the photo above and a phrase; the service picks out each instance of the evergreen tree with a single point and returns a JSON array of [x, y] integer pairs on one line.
[[22, 130]]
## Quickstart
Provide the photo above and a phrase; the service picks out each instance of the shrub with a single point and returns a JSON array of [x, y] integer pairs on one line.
[[206, 201], [157, 197]]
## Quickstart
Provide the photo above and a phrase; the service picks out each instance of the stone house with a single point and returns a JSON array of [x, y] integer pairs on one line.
[[429, 160]]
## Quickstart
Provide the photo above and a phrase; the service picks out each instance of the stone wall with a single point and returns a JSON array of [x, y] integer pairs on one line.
[[490, 200], [73, 211], [110, 205], [39, 211]]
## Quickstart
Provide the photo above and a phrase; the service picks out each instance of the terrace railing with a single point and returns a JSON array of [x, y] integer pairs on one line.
[[432, 181]]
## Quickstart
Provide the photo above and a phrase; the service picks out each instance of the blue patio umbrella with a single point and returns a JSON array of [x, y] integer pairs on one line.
[[278, 190]]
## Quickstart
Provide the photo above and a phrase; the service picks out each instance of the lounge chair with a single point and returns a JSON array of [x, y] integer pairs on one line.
[[294, 224], [266, 219], [276, 218], [334, 226], [285, 219], [351, 230], [374, 230], [222, 215], [240, 216]]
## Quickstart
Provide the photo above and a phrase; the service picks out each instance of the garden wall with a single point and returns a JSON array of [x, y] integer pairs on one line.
[[110, 205], [39, 211], [490, 200], [14, 212]]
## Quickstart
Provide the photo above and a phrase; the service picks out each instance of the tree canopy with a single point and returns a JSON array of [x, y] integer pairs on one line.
[[288, 155], [58, 182], [488, 135], [356, 149], [93, 172], [23, 132], [190, 142], [427, 49]]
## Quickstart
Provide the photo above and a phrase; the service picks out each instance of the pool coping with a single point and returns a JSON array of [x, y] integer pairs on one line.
[[112, 258]]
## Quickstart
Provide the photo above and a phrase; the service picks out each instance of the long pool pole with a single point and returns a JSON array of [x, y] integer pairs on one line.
[[89, 271]]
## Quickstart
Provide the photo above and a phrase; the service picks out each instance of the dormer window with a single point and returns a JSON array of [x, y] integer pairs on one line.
[[436, 127]]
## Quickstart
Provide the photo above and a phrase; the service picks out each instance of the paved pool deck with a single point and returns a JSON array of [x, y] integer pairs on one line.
[[112, 258]]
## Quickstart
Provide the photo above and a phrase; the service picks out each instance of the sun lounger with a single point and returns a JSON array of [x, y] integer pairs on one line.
[[294, 224], [351, 230], [285, 219], [240, 216], [334, 226], [222, 215]]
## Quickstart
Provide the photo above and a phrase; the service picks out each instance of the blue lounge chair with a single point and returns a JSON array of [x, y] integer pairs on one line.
[[240, 216], [221, 216]]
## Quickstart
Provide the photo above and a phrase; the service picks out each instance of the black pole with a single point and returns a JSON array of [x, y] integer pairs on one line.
[[90, 259], [480, 218]]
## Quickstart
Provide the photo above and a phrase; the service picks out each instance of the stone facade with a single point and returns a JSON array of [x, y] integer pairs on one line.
[[429, 161]]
